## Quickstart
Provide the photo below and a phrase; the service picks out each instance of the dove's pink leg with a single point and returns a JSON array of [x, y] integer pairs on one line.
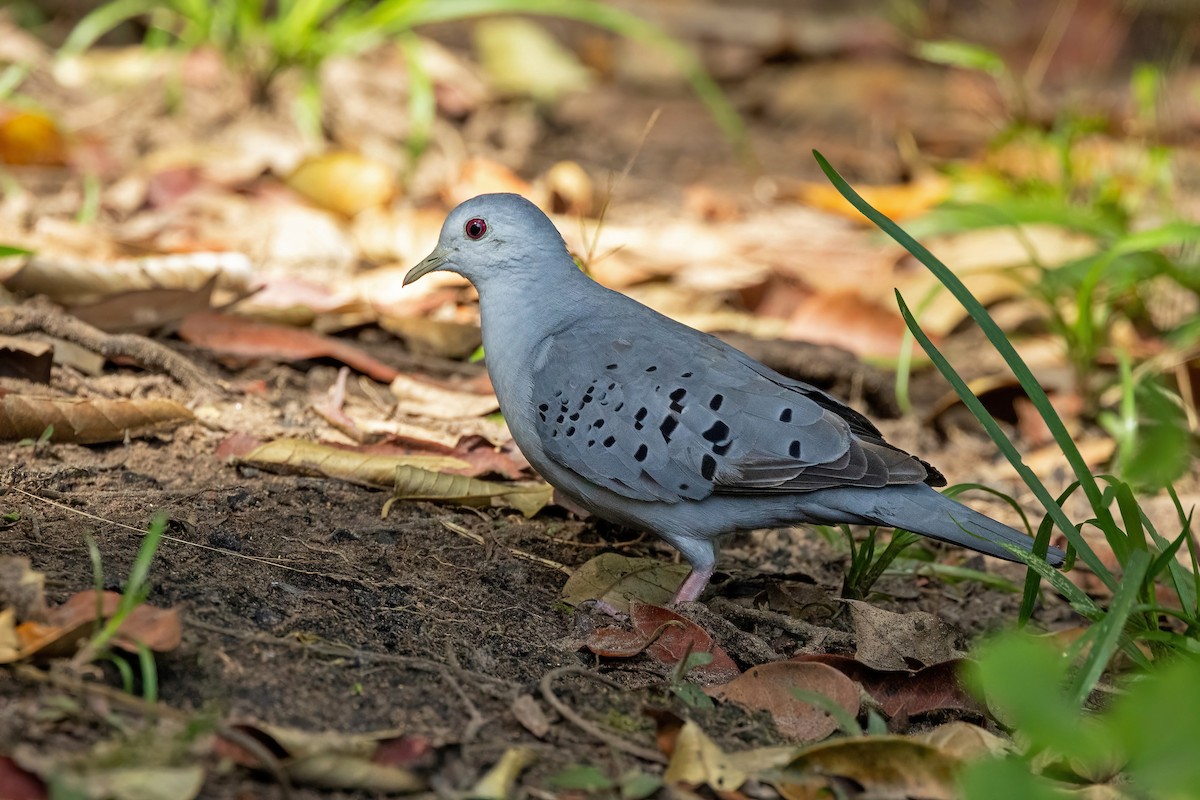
[[692, 586]]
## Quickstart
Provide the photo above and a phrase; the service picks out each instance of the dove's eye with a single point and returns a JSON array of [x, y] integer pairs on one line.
[[475, 228]]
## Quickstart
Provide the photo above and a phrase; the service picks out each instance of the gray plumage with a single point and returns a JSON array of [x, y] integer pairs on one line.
[[648, 422]]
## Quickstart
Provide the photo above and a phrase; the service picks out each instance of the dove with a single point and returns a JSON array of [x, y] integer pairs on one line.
[[652, 424]]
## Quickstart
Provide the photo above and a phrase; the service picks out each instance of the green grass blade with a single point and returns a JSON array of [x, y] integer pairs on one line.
[[102, 20], [1022, 372], [1108, 630], [1006, 446]]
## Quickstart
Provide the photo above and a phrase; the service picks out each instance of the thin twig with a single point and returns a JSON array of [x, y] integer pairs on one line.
[[608, 737], [815, 637], [17, 320], [453, 675], [338, 650], [514, 552]]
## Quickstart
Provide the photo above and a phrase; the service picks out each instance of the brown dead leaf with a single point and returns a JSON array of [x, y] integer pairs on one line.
[[413, 483], [66, 625], [231, 335], [299, 456], [965, 741], [845, 319], [327, 759], [768, 687], [145, 310], [891, 641], [937, 687], [424, 399], [884, 766], [86, 421], [17, 783], [618, 579], [696, 760], [344, 182], [677, 637], [27, 359], [898, 201]]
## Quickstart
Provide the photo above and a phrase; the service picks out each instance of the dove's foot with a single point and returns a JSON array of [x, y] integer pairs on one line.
[[689, 591]]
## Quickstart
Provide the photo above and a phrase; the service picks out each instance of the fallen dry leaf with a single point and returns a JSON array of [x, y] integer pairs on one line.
[[145, 310], [143, 783], [847, 320], [413, 483], [498, 782], [327, 759], [937, 687], [19, 784], [344, 182], [27, 359], [768, 687], [675, 637], [618, 579], [884, 766], [231, 335], [897, 201], [421, 398], [75, 280], [86, 421], [66, 625], [299, 456], [696, 760], [965, 741], [31, 138], [891, 641]]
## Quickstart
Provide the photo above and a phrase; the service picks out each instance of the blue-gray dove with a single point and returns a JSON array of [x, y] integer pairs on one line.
[[649, 423]]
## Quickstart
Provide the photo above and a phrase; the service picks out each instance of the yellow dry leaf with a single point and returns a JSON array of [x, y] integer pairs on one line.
[[311, 458], [885, 766], [617, 579], [10, 643], [698, 761], [498, 782], [344, 182], [898, 201], [964, 740], [341, 771], [86, 421], [414, 483]]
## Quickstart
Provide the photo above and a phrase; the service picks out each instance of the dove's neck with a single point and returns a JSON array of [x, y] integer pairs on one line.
[[519, 316]]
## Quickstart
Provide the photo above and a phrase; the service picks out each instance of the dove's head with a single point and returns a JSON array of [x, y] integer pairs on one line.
[[495, 236]]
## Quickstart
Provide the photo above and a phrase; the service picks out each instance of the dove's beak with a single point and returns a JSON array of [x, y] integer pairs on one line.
[[433, 261]]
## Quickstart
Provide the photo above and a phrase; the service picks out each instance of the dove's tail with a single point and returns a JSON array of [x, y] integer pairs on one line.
[[922, 509]]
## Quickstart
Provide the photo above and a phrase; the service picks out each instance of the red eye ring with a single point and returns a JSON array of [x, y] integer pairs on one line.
[[475, 228]]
